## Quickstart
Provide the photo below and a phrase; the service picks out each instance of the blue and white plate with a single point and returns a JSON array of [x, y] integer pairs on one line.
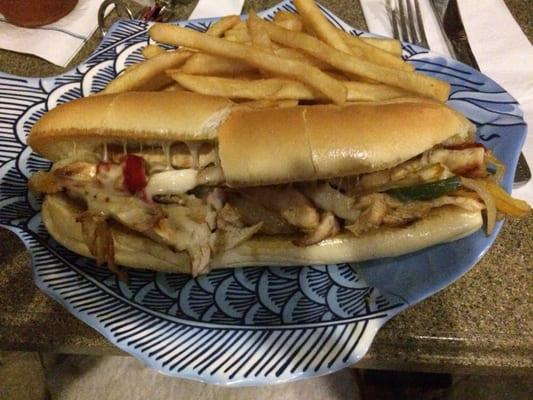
[[237, 326]]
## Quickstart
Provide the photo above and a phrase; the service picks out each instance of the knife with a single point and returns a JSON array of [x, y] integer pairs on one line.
[[454, 29]]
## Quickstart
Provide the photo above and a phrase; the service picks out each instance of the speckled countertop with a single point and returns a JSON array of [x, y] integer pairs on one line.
[[481, 323]]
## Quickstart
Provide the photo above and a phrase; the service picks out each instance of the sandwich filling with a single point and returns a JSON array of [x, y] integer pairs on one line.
[[176, 195]]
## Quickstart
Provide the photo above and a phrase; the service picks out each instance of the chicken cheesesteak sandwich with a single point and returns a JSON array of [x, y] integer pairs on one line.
[[182, 182]]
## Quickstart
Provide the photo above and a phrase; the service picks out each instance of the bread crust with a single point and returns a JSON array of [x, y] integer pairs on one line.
[[441, 225], [256, 147], [265, 147], [156, 117], [367, 137]]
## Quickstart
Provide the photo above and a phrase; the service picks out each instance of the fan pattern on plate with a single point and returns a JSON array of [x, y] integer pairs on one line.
[[234, 326]]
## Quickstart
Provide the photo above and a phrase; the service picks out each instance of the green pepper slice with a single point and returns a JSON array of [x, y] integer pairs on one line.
[[426, 191]]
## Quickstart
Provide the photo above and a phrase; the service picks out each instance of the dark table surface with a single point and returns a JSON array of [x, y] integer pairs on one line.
[[481, 323]]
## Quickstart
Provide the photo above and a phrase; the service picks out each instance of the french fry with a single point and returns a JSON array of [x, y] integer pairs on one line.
[[239, 33], [372, 55], [312, 76], [377, 55], [152, 50], [288, 20], [286, 52], [391, 46], [313, 17], [208, 64], [222, 25], [172, 87], [408, 80], [342, 77], [255, 104], [259, 36], [241, 25], [148, 75], [261, 89], [239, 36], [242, 35], [283, 15], [278, 89], [362, 91], [291, 24]]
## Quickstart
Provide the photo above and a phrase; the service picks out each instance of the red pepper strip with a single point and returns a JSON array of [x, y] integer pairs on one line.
[[134, 176]]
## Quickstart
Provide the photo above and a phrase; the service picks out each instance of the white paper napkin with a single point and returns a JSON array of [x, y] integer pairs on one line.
[[216, 8], [504, 54], [58, 42], [377, 18]]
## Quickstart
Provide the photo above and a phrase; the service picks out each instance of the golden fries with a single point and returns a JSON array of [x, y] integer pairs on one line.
[[241, 25], [411, 81], [295, 57], [222, 25], [391, 46], [292, 25], [238, 35], [207, 64], [285, 52], [278, 89], [260, 89], [149, 75], [288, 20], [172, 87], [293, 22], [377, 55], [317, 22], [258, 34], [282, 15], [362, 91], [261, 59], [314, 46], [151, 51]]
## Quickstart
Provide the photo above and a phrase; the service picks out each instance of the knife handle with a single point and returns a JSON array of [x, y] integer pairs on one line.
[[454, 29]]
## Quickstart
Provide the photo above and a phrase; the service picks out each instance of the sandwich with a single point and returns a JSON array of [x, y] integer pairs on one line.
[[181, 182]]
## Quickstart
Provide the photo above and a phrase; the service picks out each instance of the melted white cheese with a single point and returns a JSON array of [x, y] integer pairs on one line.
[[104, 155], [194, 149], [110, 176], [166, 152], [171, 182]]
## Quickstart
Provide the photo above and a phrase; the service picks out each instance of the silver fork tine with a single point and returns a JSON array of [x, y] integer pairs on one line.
[[420, 24], [412, 23], [407, 24], [394, 19], [403, 23]]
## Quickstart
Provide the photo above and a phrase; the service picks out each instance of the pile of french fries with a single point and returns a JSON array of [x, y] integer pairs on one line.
[[293, 59]]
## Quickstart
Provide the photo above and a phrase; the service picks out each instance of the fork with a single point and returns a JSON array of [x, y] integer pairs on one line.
[[407, 25], [406, 22]]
